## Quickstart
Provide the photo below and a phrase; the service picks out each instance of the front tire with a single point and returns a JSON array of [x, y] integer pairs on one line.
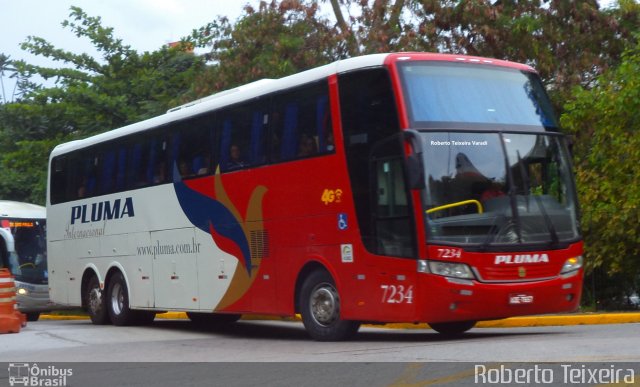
[[320, 309], [452, 329], [95, 302]]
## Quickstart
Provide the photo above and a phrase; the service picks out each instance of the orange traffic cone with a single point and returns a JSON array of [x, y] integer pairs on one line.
[[11, 320]]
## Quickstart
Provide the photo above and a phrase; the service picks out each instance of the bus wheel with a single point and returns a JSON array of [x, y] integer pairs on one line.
[[118, 302], [33, 316], [320, 309], [213, 319], [95, 302], [452, 328]]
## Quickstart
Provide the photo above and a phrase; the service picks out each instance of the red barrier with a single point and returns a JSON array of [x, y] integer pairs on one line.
[[11, 320]]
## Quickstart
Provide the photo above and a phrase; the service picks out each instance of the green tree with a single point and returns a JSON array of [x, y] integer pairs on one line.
[[605, 121], [271, 41], [85, 96], [569, 42]]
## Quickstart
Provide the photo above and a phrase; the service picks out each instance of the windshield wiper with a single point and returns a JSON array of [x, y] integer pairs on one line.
[[512, 190], [547, 220]]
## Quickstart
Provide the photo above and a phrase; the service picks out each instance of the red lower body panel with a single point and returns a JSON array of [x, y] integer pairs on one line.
[[445, 300]]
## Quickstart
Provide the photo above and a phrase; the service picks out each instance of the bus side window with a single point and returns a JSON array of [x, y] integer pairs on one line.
[[243, 138], [194, 143], [157, 165], [60, 187], [323, 124], [369, 117], [289, 132], [137, 176], [258, 136], [86, 178], [106, 178], [121, 168], [302, 123]]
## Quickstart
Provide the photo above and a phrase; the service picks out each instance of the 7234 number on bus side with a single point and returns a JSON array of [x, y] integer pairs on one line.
[[397, 294]]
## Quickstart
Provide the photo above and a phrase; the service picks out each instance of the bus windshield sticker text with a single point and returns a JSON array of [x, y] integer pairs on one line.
[[331, 196], [106, 210], [449, 253], [396, 294]]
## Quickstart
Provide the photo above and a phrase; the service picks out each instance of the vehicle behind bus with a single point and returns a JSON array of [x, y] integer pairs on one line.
[[23, 252]]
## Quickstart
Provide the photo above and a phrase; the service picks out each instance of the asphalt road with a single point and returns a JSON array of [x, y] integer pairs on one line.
[[274, 353]]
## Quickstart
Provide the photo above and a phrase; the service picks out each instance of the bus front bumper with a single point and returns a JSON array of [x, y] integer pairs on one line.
[[454, 300]]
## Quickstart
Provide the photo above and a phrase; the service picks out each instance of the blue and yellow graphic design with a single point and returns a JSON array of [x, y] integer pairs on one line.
[[231, 232]]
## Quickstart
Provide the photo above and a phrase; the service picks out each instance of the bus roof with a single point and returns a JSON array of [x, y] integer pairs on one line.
[[11, 209], [267, 86]]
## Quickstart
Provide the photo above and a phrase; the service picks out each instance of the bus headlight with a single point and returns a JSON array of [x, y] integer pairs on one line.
[[450, 269], [572, 264]]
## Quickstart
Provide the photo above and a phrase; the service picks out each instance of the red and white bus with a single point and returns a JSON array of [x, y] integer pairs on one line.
[[406, 187]]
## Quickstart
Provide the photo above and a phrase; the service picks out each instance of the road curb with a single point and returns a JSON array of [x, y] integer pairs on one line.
[[513, 322]]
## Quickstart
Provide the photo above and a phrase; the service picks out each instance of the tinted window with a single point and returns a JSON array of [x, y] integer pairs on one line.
[[461, 93], [374, 155], [301, 123]]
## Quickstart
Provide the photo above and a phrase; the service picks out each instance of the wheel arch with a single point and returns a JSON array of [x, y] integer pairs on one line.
[[114, 268], [89, 272], [304, 272]]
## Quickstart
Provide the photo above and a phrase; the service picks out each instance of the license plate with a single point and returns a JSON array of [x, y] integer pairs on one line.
[[520, 299]]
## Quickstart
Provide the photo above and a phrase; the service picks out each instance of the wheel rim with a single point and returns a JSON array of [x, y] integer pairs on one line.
[[95, 301], [324, 304], [117, 299]]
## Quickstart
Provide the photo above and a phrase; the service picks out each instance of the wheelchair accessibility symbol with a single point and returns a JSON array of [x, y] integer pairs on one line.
[[342, 221]]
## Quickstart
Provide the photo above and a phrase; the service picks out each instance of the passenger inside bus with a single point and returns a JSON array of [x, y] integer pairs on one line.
[[308, 146], [205, 167], [235, 158], [330, 146], [159, 174], [184, 169]]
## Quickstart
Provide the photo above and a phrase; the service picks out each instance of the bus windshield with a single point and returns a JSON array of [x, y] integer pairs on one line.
[[489, 189], [445, 94], [28, 260]]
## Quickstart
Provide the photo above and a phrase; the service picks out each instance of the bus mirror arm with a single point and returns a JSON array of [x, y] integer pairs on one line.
[[413, 160]]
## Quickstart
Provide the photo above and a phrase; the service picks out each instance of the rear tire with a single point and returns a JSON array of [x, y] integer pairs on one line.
[[118, 302], [452, 328], [320, 309], [95, 302]]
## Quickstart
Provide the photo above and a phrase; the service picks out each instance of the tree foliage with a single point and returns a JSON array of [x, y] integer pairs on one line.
[[269, 41], [605, 121], [85, 96], [569, 42]]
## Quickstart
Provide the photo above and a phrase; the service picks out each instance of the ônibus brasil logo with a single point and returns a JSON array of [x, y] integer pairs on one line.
[[24, 374]]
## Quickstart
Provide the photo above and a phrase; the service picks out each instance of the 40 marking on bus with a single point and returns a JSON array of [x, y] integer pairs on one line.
[[396, 294], [331, 196]]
